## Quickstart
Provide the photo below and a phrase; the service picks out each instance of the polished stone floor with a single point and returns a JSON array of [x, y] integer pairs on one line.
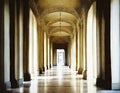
[[59, 80]]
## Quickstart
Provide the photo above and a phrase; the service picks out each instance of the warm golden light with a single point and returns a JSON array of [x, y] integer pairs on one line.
[[91, 43], [33, 50]]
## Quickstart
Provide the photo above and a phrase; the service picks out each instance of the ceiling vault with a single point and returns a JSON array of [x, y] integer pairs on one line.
[[59, 17]]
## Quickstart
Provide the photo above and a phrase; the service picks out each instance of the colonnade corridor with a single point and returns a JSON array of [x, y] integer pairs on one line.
[[53, 46], [59, 79]]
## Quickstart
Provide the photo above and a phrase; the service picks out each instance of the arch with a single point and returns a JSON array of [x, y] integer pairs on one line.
[[92, 43], [57, 9], [57, 20], [63, 29]]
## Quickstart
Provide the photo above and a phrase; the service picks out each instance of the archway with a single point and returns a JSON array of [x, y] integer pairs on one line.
[[91, 44]]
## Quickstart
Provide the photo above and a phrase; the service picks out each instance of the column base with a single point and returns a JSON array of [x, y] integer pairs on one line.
[[103, 84], [69, 66], [47, 66], [2, 90], [7, 85], [27, 76], [40, 70], [14, 83], [43, 68], [50, 66], [85, 74], [100, 82], [3, 87], [80, 70], [20, 82]]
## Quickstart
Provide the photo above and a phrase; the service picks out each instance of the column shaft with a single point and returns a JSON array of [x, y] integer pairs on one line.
[[27, 76]]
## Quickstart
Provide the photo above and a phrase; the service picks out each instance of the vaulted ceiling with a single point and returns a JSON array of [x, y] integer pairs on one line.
[[60, 17]]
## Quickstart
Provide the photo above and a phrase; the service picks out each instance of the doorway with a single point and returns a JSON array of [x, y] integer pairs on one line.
[[60, 57]]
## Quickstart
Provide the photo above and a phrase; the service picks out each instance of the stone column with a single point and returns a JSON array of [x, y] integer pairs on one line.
[[40, 65], [69, 53], [47, 64], [55, 57], [2, 88], [107, 44], [20, 40], [73, 51], [27, 76], [77, 48], [51, 49], [48, 48], [4, 46], [104, 77], [13, 47], [81, 48], [42, 48], [45, 50], [66, 56], [85, 47]]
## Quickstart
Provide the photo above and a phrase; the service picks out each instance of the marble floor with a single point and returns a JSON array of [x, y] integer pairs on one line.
[[59, 80]]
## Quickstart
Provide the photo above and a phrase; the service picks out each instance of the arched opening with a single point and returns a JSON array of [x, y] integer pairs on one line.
[[79, 36], [91, 43], [33, 46], [60, 57]]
